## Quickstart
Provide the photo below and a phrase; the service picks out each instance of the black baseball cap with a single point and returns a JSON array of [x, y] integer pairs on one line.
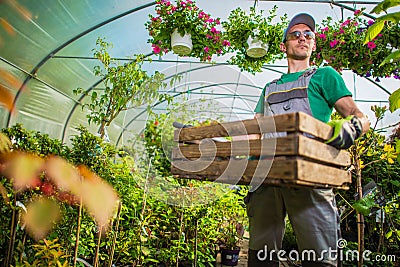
[[302, 18]]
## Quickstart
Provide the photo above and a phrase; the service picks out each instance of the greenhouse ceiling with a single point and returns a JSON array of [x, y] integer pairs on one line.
[[48, 46]]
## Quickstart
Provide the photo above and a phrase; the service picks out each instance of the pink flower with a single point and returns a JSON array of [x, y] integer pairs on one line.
[[370, 22], [341, 31], [346, 22], [226, 43], [206, 49], [213, 30], [357, 12], [322, 36], [210, 20], [333, 43], [325, 29], [371, 45], [217, 22], [156, 49]]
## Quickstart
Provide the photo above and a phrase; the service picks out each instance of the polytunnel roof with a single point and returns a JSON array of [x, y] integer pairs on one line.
[[50, 50]]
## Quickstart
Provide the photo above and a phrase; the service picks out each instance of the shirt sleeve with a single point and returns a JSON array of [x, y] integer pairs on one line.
[[333, 86], [260, 104]]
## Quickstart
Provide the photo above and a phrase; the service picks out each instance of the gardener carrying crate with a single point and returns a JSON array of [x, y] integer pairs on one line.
[[312, 212]]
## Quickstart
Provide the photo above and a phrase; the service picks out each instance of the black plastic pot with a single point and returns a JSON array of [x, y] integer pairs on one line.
[[230, 257]]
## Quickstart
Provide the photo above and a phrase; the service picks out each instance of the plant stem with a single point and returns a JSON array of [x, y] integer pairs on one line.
[[13, 231], [96, 256], [78, 230], [115, 234], [360, 217]]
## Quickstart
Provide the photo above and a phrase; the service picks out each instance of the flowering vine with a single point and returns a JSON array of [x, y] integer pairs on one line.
[[341, 45]]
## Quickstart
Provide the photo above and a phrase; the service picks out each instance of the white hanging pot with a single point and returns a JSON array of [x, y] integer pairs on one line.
[[181, 45], [256, 48]]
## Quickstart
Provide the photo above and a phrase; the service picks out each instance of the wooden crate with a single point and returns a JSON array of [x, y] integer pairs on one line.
[[300, 158]]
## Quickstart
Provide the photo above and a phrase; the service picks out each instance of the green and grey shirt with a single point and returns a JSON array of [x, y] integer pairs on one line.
[[325, 88]]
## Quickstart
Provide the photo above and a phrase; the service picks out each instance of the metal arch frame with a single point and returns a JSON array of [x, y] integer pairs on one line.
[[78, 102], [178, 94], [34, 71]]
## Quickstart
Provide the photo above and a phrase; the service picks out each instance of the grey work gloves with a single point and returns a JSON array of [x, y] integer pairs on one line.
[[345, 132]]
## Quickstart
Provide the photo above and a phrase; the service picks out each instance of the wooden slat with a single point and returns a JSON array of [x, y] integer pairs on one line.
[[293, 145], [278, 123], [290, 122], [316, 150], [275, 146], [243, 171], [308, 124]]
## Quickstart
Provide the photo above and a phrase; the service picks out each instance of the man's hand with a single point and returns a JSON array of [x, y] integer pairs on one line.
[[345, 132]]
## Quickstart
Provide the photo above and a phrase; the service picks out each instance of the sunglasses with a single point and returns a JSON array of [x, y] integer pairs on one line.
[[296, 35]]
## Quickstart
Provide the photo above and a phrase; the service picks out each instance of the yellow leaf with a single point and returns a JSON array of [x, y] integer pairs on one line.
[[22, 168], [63, 174], [41, 216]]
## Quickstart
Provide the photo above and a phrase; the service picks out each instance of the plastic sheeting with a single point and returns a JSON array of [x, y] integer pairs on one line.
[[51, 53]]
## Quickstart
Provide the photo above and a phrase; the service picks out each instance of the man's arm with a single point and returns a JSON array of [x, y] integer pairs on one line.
[[346, 107]]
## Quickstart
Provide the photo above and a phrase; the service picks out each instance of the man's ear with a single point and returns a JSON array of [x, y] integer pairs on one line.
[[283, 47]]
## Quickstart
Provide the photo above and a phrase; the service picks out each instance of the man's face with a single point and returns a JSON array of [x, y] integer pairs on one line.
[[300, 48]]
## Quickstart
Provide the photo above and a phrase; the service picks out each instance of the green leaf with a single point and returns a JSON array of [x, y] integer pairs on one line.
[[374, 30], [393, 17], [384, 5], [364, 205], [389, 234], [393, 57], [394, 100]]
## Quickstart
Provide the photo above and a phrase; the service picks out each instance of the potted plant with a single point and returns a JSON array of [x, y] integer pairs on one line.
[[201, 37], [254, 37], [229, 239], [341, 46]]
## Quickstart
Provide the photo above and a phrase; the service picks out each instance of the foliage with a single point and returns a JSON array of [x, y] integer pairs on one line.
[[126, 86], [394, 100], [378, 160], [187, 18], [341, 45], [387, 20], [240, 25], [48, 253], [232, 219]]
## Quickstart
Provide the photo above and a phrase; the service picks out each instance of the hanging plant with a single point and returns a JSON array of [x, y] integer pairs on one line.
[[241, 26], [341, 45], [184, 17]]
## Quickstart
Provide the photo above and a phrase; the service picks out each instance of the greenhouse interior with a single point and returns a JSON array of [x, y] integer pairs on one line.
[[114, 142]]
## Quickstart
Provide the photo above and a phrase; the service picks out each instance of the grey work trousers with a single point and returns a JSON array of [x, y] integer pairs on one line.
[[313, 215]]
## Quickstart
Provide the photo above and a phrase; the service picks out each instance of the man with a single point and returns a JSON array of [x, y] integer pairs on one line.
[[312, 212]]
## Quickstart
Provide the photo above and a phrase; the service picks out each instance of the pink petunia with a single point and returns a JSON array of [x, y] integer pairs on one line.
[[371, 45], [333, 43], [346, 22], [325, 29], [322, 36], [156, 49], [370, 22], [213, 30], [357, 12], [226, 43], [206, 49]]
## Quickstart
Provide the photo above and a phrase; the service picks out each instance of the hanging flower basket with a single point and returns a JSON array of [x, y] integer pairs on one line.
[[254, 38], [256, 48], [341, 46], [185, 17], [181, 44]]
